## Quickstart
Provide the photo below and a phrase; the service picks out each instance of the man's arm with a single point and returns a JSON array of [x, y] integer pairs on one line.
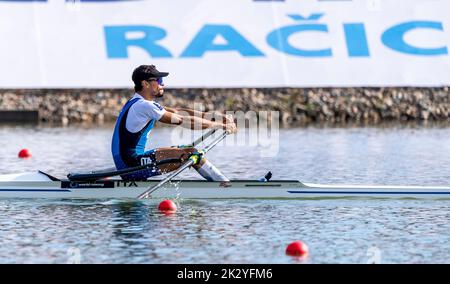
[[195, 122], [215, 116]]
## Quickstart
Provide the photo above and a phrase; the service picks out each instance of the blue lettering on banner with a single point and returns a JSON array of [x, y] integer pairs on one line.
[[356, 39], [394, 38], [312, 17], [204, 42], [278, 39], [117, 43]]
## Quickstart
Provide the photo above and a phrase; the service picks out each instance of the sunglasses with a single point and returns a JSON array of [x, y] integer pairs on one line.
[[159, 80]]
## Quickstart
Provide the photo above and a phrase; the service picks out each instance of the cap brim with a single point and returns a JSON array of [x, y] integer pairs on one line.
[[162, 74]]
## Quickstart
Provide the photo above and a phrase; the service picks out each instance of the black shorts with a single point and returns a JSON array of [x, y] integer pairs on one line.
[[140, 160]]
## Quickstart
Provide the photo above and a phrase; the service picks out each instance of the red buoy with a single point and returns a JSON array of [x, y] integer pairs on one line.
[[298, 249], [167, 206], [24, 154]]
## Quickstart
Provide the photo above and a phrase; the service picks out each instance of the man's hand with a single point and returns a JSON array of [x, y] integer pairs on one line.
[[230, 127], [228, 118]]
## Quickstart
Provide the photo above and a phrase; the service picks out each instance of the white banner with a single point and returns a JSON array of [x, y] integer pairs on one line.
[[225, 43]]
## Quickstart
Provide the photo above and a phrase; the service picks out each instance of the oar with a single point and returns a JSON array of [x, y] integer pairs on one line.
[[202, 138], [199, 140], [93, 176], [192, 160]]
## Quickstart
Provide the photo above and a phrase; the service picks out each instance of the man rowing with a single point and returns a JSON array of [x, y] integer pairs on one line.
[[138, 117]]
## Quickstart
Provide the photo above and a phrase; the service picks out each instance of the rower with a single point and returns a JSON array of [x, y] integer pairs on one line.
[[137, 119]]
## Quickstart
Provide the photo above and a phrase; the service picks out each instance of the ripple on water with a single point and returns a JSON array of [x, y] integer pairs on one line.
[[237, 231]]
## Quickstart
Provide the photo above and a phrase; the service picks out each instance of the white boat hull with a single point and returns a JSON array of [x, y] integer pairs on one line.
[[41, 186]]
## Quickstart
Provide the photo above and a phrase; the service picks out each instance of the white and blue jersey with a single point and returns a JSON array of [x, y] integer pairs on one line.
[[134, 124]]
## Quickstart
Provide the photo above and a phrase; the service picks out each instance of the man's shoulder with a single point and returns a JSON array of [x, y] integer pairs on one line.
[[152, 104], [142, 103], [157, 105]]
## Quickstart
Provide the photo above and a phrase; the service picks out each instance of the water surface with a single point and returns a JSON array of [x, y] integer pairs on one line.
[[238, 231]]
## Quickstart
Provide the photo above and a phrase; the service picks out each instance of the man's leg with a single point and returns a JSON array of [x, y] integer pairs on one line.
[[209, 171], [147, 158], [204, 167]]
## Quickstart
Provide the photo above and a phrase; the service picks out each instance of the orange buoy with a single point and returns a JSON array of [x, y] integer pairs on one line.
[[24, 154], [167, 206], [298, 249]]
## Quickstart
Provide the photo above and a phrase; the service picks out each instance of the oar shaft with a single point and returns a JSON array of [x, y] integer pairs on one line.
[[99, 175], [203, 138], [215, 142], [181, 169], [167, 179]]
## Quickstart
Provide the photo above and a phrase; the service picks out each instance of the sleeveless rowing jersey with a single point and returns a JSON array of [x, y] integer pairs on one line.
[[134, 124]]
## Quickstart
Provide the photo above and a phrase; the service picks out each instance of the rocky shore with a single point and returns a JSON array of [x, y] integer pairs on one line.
[[296, 106]]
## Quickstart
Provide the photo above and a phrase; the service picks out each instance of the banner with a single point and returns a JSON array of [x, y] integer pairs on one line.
[[225, 43]]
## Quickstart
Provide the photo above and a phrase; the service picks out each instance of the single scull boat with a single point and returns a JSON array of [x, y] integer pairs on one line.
[[102, 185], [42, 185]]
